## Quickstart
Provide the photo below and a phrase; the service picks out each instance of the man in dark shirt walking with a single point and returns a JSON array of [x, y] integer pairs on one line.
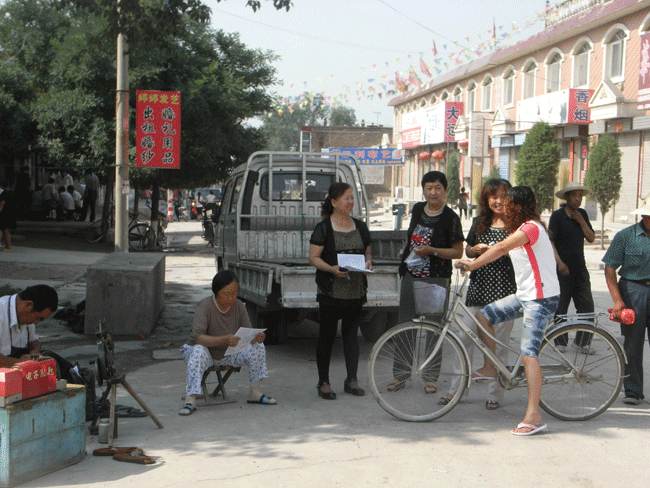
[[569, 227]]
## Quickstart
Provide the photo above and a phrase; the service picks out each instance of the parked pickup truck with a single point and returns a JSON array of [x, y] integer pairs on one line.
[[269, 209]]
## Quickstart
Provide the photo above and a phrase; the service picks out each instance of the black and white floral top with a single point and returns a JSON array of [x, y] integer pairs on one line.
[[495, 280]]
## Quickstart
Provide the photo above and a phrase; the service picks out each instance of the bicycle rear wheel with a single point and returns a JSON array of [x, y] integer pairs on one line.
[[399, 355], [140, 237], [96, 231], [580, 384]]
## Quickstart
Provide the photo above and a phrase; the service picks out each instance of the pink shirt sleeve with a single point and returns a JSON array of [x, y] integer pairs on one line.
[[532, 232]]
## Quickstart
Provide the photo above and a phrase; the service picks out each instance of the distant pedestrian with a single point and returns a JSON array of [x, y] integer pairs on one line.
[[629, 252], [50, 199], [90, 196], [7, 214], [568, 229], [462, 202], [78, 204], [67, 202], [23, 193]]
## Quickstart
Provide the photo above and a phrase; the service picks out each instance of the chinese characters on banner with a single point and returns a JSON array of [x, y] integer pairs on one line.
[[644, 73], [579, 112], [371, 156], [158, 121]]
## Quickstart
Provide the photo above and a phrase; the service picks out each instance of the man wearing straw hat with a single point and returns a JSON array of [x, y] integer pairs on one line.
[[630, 250], [568, 228]]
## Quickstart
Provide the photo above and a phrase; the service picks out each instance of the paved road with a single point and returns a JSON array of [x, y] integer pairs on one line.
[[305, 441]]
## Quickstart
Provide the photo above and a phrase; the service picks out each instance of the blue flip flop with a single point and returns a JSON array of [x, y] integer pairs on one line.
[[187, 409], [264, 400]]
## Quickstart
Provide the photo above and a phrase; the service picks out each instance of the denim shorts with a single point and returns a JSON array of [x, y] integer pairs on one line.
[[536, 313]]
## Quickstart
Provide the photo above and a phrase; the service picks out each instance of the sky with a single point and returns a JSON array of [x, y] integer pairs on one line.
[[349, 50]]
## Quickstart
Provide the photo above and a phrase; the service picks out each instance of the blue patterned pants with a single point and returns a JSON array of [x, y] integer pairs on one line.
[[198, 359]]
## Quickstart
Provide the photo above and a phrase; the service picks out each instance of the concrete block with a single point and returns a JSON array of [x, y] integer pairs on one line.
[[127, 290]]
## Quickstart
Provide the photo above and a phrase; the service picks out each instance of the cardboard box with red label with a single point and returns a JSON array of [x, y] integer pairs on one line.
[[27, 379]]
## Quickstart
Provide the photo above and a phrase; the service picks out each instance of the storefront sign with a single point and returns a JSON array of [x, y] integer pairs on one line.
[[158, 138], [579, 111], [371, 156], [569, 106], [644, 73], [441, 122]]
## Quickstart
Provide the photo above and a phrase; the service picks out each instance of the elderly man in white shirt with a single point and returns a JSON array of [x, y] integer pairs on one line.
[[19, 315]]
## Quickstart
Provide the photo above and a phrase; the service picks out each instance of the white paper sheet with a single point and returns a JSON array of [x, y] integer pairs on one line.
[[246, 336], [353, 262]]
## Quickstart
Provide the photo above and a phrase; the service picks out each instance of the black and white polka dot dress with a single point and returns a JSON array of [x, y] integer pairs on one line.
[[495, 280]]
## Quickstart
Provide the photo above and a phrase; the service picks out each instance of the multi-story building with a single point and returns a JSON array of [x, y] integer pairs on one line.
[[586, 73]]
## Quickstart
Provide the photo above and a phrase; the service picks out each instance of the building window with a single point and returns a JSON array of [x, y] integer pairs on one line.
[[471, 96], [444, 96], [553, 74], [458, 94], [509, 87], [486, 93], [615, 56], [530, 71], [581, 66], [433, 99]]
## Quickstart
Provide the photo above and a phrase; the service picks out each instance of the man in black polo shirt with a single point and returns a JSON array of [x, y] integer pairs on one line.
[[568, 227]]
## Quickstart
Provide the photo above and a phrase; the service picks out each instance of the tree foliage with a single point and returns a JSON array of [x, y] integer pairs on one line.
[[58, 78], [281, 128], [453, 178], [537, 167], [604, 175]]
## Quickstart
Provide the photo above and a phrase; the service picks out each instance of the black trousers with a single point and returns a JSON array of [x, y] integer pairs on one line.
[[350, 319], [577, 286]]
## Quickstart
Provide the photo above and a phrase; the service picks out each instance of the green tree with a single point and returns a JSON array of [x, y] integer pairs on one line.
[[604, 176], [281, 128], [539, 160], [453, 178], [342, 116]]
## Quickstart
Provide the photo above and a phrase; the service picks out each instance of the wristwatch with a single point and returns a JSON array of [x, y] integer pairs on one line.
[[435, 252]]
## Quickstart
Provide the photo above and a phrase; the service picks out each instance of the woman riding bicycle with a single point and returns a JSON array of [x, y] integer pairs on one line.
[[536, 299]]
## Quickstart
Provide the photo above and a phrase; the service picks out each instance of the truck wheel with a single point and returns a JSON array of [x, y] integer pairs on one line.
[[372, 329]]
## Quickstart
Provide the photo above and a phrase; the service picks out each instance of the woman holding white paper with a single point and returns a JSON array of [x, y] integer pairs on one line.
[[216, 321], [341, 293]]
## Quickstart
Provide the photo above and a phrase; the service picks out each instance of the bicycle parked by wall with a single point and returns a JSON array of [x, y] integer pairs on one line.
[[578, 384]]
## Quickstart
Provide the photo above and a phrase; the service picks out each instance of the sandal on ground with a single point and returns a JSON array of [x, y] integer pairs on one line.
[[444, 401], [490, 405], [532, 429], [263, 400], [187, 409], [396, 385], [353, 390], [430, 388]]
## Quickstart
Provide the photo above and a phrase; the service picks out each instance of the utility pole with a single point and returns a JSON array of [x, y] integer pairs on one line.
[[121, 139]]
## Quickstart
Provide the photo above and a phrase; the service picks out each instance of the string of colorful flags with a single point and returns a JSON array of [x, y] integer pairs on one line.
[[449, 56]]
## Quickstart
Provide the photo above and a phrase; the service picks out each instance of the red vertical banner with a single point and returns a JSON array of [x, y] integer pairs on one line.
[[158, 138]]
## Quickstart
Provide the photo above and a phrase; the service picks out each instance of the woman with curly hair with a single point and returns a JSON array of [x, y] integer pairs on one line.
[[536, 299]]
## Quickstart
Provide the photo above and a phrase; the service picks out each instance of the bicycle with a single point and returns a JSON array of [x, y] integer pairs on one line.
[[578, 384], [141, 235]]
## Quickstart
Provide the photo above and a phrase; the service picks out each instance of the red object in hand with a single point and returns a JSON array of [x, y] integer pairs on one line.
[[627, 316]]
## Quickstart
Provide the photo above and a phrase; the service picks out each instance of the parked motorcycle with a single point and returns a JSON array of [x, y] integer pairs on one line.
[[207, 224]]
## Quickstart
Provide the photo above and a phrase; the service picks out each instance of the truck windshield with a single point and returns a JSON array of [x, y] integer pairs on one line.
[[288, 186]]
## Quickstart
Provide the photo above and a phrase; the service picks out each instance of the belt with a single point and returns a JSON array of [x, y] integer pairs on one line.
[[639, 282]]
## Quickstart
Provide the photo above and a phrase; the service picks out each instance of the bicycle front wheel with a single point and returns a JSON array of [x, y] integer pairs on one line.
[[398, 379], [139, 237], [584, 381]]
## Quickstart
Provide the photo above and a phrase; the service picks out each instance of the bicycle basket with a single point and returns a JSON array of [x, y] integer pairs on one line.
[[430, 298]]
